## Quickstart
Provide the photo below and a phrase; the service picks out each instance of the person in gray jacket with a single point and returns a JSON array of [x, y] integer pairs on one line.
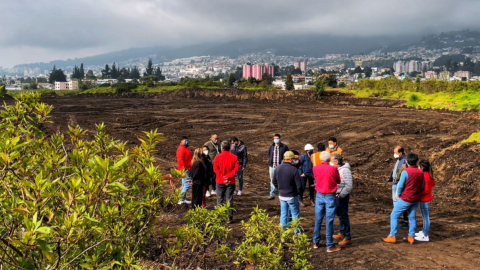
[[343, 197]]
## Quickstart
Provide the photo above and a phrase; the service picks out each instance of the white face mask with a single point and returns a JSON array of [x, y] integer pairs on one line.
[[396, 156], [331, 146], [331, 164], [205, 152]]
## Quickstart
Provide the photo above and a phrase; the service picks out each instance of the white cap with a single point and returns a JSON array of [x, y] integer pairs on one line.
[[308, 147]]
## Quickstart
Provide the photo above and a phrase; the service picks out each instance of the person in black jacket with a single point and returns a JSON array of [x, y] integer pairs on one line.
[[239, 149], [287, 180], [208, 172], [198, 174], [275, 154]]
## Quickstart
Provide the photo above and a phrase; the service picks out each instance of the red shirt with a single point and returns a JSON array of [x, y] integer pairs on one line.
[[326, 177], [225, 165], [427, 189], [184, 158]]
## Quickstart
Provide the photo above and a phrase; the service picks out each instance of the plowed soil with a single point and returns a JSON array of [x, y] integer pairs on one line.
[[367, 130]]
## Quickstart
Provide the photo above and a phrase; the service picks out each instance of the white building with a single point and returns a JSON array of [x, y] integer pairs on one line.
[[70, 85]]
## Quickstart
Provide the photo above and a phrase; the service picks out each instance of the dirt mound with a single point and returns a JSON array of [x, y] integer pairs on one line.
[[340, 98]]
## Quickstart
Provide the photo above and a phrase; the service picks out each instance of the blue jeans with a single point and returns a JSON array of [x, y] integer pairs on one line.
[[400, 207], [324, 204], [289, 210], [342, 213], [271, 170], [394, 193], [307, 182], [240, 179], [185, 187], [424, 208]]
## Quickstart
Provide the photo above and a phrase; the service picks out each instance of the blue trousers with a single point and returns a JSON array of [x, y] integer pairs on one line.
[[289, 210], [325, 205], [400, 207]]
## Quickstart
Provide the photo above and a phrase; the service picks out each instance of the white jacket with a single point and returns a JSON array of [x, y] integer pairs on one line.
[[345, 187]]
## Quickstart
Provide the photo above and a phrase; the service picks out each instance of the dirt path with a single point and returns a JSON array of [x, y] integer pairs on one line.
[[367, 132]]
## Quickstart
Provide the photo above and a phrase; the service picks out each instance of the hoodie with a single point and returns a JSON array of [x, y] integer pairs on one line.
[[241, 153], [346, 185]]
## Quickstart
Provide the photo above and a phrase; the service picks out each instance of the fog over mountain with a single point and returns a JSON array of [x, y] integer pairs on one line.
[[42, 31]]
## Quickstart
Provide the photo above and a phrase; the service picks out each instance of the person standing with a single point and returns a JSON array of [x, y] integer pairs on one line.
[[343, 197], [239, 149], [306, 172], [316, 156], [326, 180], [400, 163], [198, 173], [286, 179], [333, 147], [225, 167], [209, 173], [425, 200], [275, 153], [184, 161], [213, 150], [409, 193]]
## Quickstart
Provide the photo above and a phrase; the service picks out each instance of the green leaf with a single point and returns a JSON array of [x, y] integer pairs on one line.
[[49, 255], [44, 230], [43, 245], [19, 210], [120, 163]]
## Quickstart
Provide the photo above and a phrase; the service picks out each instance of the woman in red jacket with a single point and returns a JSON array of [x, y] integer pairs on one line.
[[425, 200]]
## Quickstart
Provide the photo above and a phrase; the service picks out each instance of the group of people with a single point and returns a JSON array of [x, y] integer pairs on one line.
[[324, 173], [216, 164]]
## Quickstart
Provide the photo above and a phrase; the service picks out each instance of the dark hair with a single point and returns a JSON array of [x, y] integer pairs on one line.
[[321, 147], [412, 159], [338, 158], [426, 167], [295, 152], [184, 138], [225, 146], [401, 150], [277, 135], [333, 139], [234, 139]]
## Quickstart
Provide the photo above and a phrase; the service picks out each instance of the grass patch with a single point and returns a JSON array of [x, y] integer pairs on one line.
[[475, 137]]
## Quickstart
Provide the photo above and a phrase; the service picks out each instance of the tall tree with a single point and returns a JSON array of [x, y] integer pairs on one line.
[[57, 75], [135, 73], [90, 75], [149, 68], [231, 79], [289, 82], [114, 71], [82, 72], [158, 73], [106, 72]]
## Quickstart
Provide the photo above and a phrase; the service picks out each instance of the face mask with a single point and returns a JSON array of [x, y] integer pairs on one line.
[[205, 152], [331, 146], [185, 143], [294, 162], [309, 152], [396, 156], [276, 141], [331, 164]]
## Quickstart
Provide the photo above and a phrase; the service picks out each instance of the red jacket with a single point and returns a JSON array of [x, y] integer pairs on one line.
[[427, 190], [326, 177], [413, 186], [184, 158], [225, 165]]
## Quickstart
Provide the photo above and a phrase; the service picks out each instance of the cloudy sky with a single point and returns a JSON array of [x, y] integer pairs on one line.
[[45, 30]]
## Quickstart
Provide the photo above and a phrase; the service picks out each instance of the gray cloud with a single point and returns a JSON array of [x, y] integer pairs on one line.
[[51, 29]]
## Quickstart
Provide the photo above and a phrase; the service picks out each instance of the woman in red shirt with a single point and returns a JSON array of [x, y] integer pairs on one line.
[[425, 200]]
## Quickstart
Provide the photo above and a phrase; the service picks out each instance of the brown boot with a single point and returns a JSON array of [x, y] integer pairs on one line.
[[409, 239], [334, 249], [338, 236], [345, 242], [390, 239]]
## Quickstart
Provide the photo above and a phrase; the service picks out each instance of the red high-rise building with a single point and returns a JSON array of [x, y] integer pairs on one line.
[[257, 71]]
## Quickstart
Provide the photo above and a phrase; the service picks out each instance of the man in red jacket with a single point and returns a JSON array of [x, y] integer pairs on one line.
[[225, 167], [184, 161], [327, 179]]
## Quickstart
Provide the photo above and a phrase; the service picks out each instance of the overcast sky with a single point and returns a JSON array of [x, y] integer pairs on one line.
[[45, 30]]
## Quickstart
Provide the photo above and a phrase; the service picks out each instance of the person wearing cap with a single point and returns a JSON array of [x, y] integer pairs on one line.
[[316, 156], [288, 182], [306, 172], [327, 178], [275, 154], [333, 147]]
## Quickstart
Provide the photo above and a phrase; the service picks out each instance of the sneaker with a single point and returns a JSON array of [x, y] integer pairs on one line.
[[334, 249], [390, 239], [409, 239], [338, 236], [207, 194], [270, 198], [214, 192], [315, 246], [187, 202], [345, 242], [420, 233], [239, 193], [422, 238]]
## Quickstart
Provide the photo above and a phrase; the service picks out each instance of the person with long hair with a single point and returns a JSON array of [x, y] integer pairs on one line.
[[425, 200], [198, 177]]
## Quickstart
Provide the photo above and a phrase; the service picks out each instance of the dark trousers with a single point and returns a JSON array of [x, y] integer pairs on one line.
[[307, 182], [225, 191], [197, 195], [213, 181], [342, 213]]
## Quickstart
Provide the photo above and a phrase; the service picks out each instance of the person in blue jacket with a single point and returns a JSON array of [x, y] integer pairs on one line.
[[306, 172]]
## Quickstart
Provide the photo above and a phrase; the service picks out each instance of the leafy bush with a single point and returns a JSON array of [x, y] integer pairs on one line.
[[73, 203], [124, 87]]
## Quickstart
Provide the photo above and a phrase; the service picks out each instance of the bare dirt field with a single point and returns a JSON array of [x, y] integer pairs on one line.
[[367, 130]]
